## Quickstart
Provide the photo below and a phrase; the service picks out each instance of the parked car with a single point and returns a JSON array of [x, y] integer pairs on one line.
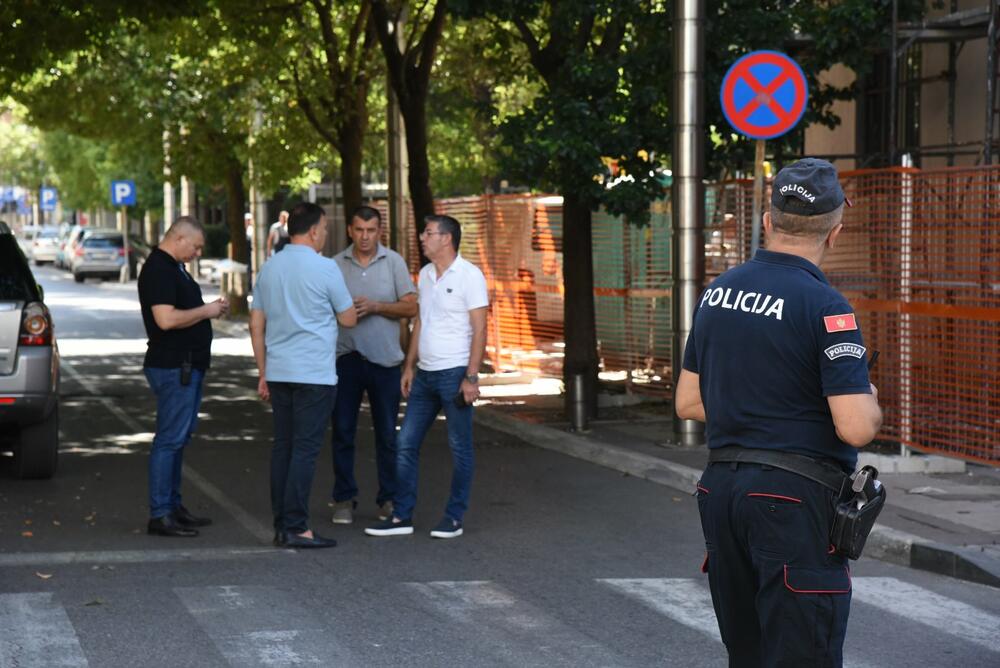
[[100, 253], [29, 367], [25, 238], [45, 246], [68, 245]]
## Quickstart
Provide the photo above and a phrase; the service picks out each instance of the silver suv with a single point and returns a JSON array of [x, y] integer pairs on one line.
[[29, 367]]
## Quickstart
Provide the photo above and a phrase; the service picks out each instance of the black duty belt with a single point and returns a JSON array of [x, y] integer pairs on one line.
[[827, 475]]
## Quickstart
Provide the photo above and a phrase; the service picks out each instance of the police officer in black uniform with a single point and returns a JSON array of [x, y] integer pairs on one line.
[[776, 367]]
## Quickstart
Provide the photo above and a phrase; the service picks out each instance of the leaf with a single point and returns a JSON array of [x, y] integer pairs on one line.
[[93, 603], [27, 534], [44, 576]]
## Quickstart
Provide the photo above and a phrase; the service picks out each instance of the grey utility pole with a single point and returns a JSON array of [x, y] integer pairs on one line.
[[688, 190]]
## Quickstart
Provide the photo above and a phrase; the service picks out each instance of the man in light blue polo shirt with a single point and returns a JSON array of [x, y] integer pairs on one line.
[[299, 299]]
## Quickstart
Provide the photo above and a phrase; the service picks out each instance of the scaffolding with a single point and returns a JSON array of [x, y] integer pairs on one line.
[[955, 28]]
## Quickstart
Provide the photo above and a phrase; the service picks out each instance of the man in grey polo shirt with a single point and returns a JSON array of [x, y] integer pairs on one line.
[[368, 360], [299, 300]]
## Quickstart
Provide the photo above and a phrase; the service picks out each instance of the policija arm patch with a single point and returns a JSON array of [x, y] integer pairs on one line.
[[845, 350]]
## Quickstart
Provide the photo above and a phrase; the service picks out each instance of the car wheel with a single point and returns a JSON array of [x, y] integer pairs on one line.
[[78, 278], [37, 451]]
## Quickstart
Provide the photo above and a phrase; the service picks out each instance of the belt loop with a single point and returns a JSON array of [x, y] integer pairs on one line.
[[733, 466]]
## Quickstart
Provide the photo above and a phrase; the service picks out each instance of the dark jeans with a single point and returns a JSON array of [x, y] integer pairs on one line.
[[176, 417], [781, 597], [355, 377], [301, 413], [431, 391]]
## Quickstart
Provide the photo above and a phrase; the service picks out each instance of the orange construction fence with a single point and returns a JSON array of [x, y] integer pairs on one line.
[[919, 258]]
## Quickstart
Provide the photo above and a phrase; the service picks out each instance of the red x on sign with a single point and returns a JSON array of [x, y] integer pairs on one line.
[[764, 94]]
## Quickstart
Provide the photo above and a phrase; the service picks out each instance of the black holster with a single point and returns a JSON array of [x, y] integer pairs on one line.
[[855, 512]]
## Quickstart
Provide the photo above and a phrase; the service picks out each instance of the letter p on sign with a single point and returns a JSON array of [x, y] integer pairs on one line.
[[123, 193]]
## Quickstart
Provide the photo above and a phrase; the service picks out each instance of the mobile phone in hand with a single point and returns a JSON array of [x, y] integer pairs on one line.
[[459, 400]]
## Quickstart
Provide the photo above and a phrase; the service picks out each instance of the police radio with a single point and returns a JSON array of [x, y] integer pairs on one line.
[[857, 507]]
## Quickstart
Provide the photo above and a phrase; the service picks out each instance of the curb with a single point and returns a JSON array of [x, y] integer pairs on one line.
[[884, 543]]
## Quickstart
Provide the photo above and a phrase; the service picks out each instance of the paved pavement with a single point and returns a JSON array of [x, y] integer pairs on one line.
[[946, 522], [564, 562]]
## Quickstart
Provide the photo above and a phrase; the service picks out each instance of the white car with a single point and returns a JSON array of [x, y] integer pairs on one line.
[[45, 245]]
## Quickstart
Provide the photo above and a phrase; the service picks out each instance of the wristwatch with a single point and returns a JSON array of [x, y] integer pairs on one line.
[[472, 378]]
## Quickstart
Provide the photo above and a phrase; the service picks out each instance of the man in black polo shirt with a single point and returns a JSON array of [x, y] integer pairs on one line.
[[180, 342], [775, 367]]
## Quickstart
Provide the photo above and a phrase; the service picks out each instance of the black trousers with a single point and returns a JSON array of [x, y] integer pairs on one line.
[[781, 597]]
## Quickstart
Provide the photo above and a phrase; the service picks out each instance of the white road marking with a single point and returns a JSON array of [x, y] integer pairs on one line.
[[36, 633], [132, 556], [254, 526], [681, 599], [516, 633], [927, 607], [262, 626], [686, 602]]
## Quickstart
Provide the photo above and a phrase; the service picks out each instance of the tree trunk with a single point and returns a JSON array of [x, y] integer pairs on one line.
[[236, 205], [419, 178], [352, 135], [579, 324]]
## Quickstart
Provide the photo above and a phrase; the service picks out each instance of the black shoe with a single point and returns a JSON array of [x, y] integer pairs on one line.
[[186, 519], [168, 526], [294, 540], [447, 528], [280, 539]]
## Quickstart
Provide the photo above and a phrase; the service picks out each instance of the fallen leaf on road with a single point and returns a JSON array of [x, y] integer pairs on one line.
[[96, 601], [56, 523], [88, 518], [676, 498], [27, 534], [44, 576], [27, 523]]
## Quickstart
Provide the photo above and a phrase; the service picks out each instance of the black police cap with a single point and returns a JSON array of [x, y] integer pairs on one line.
[[808, 187]]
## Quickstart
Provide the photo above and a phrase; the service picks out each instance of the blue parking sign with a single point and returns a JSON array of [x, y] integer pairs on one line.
[[123, 193], [48, 198]]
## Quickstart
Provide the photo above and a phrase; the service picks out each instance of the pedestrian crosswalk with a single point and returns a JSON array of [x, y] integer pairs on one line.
[[497, 623]]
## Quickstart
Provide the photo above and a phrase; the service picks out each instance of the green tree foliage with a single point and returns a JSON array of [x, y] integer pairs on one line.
[[315, 58], [35, 35]]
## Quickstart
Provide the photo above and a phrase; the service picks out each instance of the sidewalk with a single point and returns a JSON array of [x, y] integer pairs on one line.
[[941, 515]]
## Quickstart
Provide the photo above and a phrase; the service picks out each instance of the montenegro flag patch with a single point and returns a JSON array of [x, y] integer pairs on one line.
[[840, 323]]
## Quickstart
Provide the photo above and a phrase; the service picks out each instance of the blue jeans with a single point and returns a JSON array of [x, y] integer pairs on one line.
[[176, 417], [301, 413], [356, 376], [431, 391]]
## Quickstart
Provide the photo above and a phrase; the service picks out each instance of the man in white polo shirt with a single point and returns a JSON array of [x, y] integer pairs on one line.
[[440, 372]]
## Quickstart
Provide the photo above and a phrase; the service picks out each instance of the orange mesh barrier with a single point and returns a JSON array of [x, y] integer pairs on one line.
[[919, 259]]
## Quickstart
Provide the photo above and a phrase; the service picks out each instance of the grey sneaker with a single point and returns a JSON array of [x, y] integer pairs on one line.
[[384, 510], [343, 512]]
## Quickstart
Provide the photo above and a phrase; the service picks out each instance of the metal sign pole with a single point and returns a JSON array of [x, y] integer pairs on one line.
[[758, 196], [126, 271]]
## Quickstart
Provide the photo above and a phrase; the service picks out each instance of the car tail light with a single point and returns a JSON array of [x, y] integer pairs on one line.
[[36, 325], [121, 252], [78, 252]]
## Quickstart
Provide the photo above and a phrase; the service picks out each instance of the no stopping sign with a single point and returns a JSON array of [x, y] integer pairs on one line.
[[764, 94]]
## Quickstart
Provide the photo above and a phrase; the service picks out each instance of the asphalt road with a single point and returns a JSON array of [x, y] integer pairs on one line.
[[563, 563]]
